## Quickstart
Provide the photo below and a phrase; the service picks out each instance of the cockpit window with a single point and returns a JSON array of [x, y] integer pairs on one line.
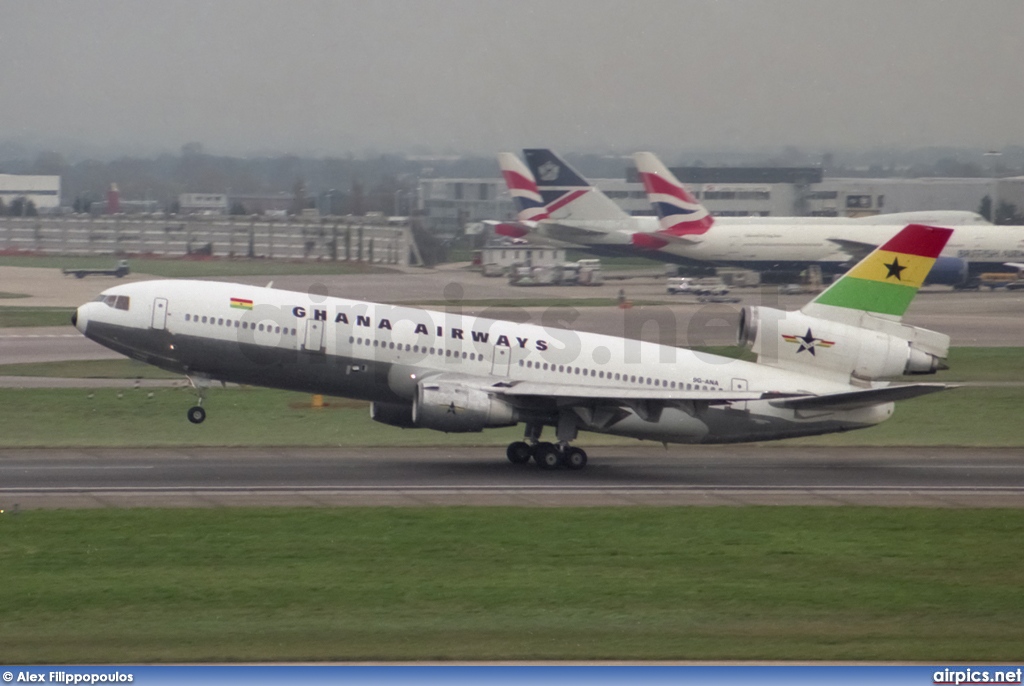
[[118, 302]]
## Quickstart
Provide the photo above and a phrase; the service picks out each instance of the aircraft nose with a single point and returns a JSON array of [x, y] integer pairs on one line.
[[79, 319]]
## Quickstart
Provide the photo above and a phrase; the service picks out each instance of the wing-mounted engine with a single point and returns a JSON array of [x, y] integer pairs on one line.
[[457, 405], [873, 348], [393, 414]]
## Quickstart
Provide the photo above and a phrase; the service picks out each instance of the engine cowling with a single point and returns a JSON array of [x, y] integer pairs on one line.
[[873, 348], [456, 407], [393, 414], [948, 271]]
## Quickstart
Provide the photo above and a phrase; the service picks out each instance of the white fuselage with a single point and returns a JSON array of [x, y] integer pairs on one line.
[[764, 241], [382, 353]]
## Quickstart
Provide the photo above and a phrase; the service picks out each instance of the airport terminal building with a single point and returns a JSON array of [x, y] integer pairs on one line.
[[43, 191], [449, 204]]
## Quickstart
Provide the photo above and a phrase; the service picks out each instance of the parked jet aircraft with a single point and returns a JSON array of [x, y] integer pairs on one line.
[[818, 370], [580, 214]]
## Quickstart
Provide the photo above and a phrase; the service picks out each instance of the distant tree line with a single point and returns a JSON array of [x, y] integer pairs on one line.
[[1006, 214], [19, 207]]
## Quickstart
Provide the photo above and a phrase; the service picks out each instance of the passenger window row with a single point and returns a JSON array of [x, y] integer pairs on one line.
[[220, 321], [391, 345], [578, 371]]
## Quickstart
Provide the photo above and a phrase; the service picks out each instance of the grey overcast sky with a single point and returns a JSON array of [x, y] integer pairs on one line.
[[326, 77]]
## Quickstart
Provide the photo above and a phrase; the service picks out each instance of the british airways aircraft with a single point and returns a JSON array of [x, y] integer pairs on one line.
[[818, 370], [573, 211]]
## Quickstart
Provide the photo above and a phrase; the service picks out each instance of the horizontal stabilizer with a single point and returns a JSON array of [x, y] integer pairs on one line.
[[857, 399]]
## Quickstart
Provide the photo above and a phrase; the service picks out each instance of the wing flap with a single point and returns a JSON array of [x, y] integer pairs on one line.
[[580, 392], [852, 400]]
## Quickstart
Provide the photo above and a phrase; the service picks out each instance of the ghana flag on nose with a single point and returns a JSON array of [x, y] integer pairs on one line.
[[886, 281]]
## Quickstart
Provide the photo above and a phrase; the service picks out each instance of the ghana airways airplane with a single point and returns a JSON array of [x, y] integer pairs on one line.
[[818, 370], [554, 201]]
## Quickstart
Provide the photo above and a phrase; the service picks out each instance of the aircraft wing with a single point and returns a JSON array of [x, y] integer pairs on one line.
[[569, 234], [586, 393], [855, 249], [531, 392], [856, 399]]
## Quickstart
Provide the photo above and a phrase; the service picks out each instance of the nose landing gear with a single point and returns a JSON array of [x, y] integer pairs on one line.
[[196, 414]]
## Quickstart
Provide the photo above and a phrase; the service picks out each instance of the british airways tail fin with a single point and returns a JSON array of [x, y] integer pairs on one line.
[[566, 194], [522, 187], [679, 213]]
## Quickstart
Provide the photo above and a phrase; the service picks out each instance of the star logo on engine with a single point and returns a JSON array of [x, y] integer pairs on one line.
[[451, 409], [895, 269], [807, 342]]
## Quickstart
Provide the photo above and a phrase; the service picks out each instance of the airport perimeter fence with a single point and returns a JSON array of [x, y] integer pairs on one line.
[[370, 241]]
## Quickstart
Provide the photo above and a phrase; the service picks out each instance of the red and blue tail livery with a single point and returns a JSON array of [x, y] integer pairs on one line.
[[523, 188], [564, 191], [679, 213]]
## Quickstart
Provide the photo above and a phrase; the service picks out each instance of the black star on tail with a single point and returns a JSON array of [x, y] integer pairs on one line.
[[895, 269]]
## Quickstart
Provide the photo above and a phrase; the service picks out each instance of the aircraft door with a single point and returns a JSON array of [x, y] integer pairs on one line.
[[502, 357], [314, 336], [739, 385], [159, 314]]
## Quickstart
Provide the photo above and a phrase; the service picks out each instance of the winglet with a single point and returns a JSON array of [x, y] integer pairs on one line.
[[887, 280], [679, 213]]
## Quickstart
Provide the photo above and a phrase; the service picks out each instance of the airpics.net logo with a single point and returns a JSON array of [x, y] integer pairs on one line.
[[968, 677]]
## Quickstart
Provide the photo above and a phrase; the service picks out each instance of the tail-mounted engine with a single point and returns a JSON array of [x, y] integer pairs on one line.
[[873, 348]]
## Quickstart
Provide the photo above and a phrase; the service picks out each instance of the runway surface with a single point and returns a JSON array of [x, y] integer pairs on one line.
[[616, 476]]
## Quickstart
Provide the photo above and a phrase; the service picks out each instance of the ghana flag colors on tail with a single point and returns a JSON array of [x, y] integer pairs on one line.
[[886, 281]]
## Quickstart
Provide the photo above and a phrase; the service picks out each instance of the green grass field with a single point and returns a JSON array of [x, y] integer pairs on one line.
[[89, 369], [12, 315], [54, 417], [968, 416], [126, 586], [185, 268]]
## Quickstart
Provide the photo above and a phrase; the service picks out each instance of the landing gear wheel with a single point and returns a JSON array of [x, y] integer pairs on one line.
[[575, 458], [547, 456], [519, 452], [196, 414]]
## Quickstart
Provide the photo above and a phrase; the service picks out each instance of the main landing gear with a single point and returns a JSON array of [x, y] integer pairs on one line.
[[546, 455]]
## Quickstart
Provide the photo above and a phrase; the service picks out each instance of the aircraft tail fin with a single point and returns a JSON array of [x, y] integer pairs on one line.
[[522, 187], [566, 194], [886, 281], [679, 213]]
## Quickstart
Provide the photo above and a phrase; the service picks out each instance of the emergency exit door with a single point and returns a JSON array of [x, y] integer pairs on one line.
[[314, 338], [500, 364], [159, 313]]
